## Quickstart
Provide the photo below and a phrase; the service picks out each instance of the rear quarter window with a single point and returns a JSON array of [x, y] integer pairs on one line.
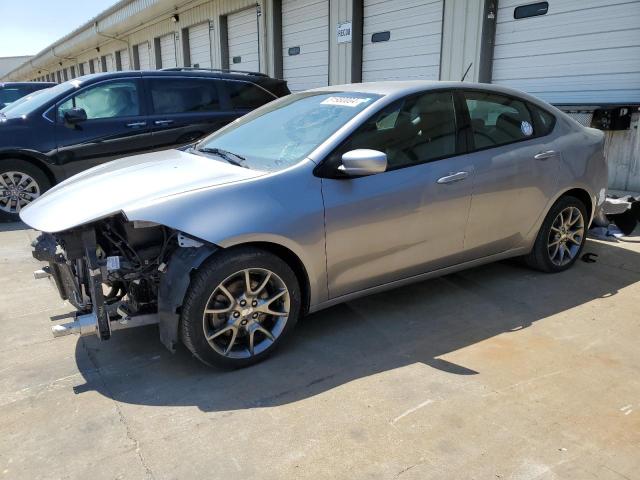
[[545, 121]]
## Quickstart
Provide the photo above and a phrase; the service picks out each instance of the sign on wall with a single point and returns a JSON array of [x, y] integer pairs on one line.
[[344, 32]]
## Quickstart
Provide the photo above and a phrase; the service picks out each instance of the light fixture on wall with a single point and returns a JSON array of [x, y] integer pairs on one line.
[[175, 18]]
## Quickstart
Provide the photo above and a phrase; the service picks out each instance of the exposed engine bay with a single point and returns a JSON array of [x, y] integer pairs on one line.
[[110, 271]]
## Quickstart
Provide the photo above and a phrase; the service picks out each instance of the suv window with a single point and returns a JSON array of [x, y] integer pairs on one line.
[[185, 95], [245, 96], [498, 119], [411, 131], [106, 100]]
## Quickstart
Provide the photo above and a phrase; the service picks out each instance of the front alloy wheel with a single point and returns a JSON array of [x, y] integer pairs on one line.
[[17, 190], [246, 313], [239, 307]]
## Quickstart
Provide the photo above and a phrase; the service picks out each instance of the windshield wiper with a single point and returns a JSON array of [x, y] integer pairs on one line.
[[225, 155]]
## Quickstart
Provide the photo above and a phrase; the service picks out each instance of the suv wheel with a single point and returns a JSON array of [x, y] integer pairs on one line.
[[239, 307], [20, 184], [561, 237]]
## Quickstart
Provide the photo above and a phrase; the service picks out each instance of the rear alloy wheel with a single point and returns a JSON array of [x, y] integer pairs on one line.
[[565, 236], [561, 237], [239, 307], [20, 184]]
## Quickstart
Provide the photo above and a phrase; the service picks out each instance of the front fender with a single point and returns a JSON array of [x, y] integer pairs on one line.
[[283, 208]]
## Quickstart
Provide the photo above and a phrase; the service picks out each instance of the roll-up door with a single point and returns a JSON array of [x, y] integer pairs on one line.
[[243, 40], [168, 51], [109, 63], [125, 62], [570, 51], [401, 39], [200, 45], [144, 56], [305, 43]]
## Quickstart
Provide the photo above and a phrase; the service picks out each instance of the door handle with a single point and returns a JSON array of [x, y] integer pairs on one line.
[[453, 177], [163, 122], [136, 124], [544, 155]]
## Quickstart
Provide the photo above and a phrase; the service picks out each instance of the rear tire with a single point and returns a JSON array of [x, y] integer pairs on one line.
[[20, 183], [241, 304], [561, 237]]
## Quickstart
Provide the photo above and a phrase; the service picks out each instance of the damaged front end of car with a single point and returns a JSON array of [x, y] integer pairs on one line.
[[120, 274]]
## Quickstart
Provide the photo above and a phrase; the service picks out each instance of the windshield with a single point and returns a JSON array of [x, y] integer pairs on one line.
[[12, 93], [33, 102], [284, 132]]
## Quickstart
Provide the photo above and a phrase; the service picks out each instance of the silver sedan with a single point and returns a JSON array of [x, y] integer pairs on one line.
[[312, 200]]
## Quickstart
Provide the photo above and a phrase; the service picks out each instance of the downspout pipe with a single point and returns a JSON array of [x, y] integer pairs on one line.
[[98, 32]]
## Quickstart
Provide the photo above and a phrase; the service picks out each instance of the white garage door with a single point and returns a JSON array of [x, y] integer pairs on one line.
[[144, 56], [580, 51], [305, 43], [401, 40], [109, 60], [168, 51], [200, 45], [242, 32], [125, 62]]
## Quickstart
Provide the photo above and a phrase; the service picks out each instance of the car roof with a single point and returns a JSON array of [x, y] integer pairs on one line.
[[400, 88], [19, 84], [180, 72]]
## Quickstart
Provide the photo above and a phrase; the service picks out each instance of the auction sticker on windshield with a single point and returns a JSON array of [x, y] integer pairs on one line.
[[345, 101]]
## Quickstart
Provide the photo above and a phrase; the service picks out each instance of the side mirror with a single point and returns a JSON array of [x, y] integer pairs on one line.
[[74, 116], [361, 162]]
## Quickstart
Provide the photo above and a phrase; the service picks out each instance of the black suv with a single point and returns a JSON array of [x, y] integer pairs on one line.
[[100, 117], [12, 91]]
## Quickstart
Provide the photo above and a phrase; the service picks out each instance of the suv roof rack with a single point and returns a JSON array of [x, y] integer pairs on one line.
[[221, 70]]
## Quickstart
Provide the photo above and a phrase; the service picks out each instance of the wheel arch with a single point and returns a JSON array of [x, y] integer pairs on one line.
[[582, 195], [291, 259], [36, 162]]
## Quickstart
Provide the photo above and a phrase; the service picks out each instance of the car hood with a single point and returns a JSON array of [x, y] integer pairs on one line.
[[125, 184]]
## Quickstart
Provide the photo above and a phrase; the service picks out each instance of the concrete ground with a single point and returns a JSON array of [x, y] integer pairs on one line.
[[496, 372]]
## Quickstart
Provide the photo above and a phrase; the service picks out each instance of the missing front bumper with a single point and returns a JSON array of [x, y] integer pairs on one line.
[[87, 324]]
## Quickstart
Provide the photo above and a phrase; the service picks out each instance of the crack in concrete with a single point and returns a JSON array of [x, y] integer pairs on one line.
[[121, 416]]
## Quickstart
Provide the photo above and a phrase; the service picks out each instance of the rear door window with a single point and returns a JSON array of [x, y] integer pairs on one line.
[[498, 119], [184, 95], [246, 96]]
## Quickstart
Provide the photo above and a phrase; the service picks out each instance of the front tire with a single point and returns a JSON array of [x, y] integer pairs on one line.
[[20, 184], [561, 237], [240, 306]]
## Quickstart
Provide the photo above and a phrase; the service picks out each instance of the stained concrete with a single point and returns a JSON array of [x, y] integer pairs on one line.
[[496, 372]]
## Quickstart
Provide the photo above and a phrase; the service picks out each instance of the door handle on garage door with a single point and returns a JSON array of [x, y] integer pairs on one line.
[[544, 155], [453, 177], [137, 124], [163, 122]]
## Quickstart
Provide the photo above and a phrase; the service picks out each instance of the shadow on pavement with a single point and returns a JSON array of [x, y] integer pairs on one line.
[[418, 323], [12, 226]]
